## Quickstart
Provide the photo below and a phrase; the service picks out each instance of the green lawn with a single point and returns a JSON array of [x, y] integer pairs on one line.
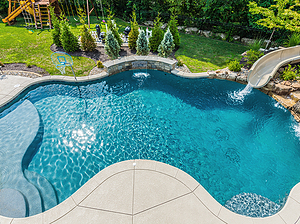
[[17, 45], [202, 54]]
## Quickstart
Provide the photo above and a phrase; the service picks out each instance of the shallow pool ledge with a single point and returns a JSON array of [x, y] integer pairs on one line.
[[145, 191]]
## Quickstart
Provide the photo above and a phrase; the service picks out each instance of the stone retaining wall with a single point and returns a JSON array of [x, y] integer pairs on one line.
[[139, 62]]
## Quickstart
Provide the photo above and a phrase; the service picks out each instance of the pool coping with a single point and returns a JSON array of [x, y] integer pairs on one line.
[[170, 207], [290, 213]]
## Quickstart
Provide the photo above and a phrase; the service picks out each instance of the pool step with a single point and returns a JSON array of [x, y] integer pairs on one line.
[[47, 192]]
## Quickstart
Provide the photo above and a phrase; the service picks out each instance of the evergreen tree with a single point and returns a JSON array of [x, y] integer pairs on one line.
[[68, 40], [134, 32], [174, 31], [157, 35], [87, 41], [142, 44], [167, 45], [111, 25], [111, 47], [56, 28]]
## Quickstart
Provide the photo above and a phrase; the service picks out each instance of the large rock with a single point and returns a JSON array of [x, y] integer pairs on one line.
[[222, 35], [232, 76], [206, 33], [236, 38], [296, 107], [296, 85], [282, 89], [242, 79], [180, 28], [295, 96], [148, 23], [191, 30], [247, 41]]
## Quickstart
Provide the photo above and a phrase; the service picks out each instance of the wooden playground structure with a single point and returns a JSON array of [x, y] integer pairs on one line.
[[39, 9]]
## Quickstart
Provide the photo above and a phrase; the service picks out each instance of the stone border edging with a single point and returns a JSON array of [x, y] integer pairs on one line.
[[288, 214]]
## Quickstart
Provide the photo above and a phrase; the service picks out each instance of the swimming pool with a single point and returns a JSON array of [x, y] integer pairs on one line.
[[229, 146]]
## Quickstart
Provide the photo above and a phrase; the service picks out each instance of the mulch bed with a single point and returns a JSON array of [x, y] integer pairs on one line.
[[23, 67]]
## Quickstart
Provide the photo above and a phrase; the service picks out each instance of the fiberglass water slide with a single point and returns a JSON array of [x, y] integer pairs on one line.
[[266, 67], [17, 11]]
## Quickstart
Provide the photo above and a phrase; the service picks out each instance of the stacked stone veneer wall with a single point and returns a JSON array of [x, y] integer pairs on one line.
[[139, 62]]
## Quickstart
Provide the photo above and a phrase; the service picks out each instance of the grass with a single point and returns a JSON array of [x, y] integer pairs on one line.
[[202, 54], [17, 45]]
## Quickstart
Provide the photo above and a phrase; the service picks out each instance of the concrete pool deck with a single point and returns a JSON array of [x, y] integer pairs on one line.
[[139, 191]]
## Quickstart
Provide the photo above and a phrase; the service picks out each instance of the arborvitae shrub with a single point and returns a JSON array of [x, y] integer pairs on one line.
[[100, 64], [68, 40], [174, 31], [157, 35], [55, 33], [114, 29], [111, 47], [167, 45], [142, 44], [87, 41], [134, 32]]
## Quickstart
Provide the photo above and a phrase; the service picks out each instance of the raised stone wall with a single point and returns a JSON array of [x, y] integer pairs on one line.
[[139, 62]]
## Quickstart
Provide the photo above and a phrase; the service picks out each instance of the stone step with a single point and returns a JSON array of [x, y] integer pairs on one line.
[[47, 192]]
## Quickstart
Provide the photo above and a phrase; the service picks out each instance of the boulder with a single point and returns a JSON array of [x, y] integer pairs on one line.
[[180, 28], [191, 30], [222, 35], [296, 107], [295, 96], [206, 33], [149, 23], [236, 38], [221, 75], [296, 85], [247, 41], [232, 76], [241, 79], [282, 89]]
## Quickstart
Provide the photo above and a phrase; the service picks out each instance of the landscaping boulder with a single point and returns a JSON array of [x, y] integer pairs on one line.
[[206, 33], [295, 96], [296, 85], [242, 79], [281, 89], [222, 35], [148, 23], [180, 28], [232, 76], [236, 38], [247, 41], [191, 30], [296, 107]]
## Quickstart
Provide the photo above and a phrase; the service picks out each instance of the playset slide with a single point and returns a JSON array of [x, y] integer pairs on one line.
[[266, 67], [17, 11]]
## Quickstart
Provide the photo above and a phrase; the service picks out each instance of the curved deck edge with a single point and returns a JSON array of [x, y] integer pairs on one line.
[[145, 191]]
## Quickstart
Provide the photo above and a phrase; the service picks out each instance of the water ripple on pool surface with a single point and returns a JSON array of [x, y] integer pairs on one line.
[[190, 124]]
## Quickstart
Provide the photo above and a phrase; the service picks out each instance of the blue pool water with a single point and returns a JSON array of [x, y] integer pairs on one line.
[[230, 146]]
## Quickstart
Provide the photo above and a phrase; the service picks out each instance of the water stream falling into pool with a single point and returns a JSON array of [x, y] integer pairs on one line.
[[241, 94]]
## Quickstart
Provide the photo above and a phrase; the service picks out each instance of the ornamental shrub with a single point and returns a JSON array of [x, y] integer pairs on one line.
[[100, 64], [167, 45], [142, 47], [174, 31], [56, 28], [252, 56], [68, 40], [111, 25], [87, 41], [289, 73], [157, 35], [293, 40], [134, 32], [112, 48], [234, 66]]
